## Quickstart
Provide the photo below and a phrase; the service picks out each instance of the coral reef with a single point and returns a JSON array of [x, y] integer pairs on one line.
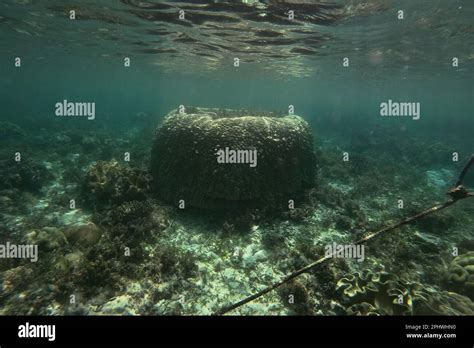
[[460, 275], [437, 224], [384, 139], [443, 303], [25, 175], [273, 241], [48, 239], [241, 221], [171, 262], [129, 211], [14, 279], [11, 201], [122, 251], [298, 214], [82, 235], [185, 167], [113, 183], [295, 295], [382, 293], [10, 132], [466, 245]]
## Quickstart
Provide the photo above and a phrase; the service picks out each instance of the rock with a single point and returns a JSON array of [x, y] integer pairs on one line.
[[48, 239], [82, 234], [184, 161]]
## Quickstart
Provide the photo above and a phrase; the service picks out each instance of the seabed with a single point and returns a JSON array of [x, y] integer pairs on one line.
[[121, 250]]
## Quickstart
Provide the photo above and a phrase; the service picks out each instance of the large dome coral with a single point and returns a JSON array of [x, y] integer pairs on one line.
[[185, 158]]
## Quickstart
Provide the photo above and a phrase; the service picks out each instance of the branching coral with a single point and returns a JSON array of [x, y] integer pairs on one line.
[[129, 211], [26, 175], [114, 183]]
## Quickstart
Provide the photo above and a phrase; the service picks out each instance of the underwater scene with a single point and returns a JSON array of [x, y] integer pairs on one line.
[[252, 157]]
